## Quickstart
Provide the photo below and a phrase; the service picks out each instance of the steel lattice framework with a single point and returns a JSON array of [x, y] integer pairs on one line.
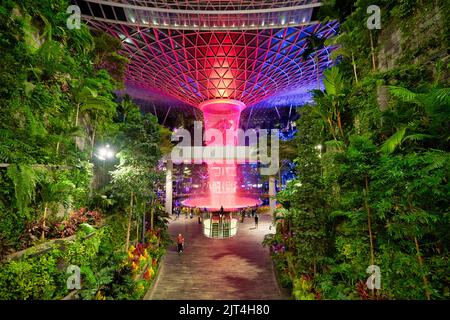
[[217, 5], [229, 62], [246, 65]]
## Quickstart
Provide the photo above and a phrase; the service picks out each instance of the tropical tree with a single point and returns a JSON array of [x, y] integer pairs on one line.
[[136, 177], [329, 102]]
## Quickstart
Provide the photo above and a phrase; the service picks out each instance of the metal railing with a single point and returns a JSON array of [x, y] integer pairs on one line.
[[237, 17], [219, 227]]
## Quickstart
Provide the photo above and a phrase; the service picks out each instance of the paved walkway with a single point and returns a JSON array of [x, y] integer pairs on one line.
[[233, 268]]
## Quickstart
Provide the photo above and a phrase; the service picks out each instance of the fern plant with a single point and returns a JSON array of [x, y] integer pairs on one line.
[[25, 179]]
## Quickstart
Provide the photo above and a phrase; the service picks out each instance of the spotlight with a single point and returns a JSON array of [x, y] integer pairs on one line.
[[105, 153]]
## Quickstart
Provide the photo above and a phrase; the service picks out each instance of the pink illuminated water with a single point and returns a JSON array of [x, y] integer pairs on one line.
[[232, 203], [222, 117]]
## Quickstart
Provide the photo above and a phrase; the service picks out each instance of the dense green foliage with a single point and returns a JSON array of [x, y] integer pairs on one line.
[[105, 273], [58, 102], [377, 192]]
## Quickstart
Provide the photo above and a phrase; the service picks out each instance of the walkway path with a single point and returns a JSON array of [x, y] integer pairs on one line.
[[233, 268]]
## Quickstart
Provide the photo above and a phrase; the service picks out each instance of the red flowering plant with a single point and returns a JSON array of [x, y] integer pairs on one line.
[[33, 233], [69, 226], [58, 229], [365, 293]]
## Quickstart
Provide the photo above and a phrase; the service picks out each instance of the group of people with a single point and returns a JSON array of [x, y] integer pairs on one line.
[[249, 212], [178, 210]]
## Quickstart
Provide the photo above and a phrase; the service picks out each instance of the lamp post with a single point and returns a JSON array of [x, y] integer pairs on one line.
[[104, 153]]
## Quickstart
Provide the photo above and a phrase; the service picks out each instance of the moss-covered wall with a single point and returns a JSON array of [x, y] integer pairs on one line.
[[420, 37]]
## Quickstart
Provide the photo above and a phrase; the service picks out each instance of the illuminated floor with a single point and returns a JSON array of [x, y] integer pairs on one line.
[[233, 268]]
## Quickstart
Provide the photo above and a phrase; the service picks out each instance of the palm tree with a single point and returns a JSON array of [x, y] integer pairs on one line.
[[345, 48], [91, 105], [435, 103], [125, 107], [314, 44], [329, 105]]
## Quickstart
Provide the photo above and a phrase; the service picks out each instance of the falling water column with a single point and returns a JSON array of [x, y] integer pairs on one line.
[[221, 118]]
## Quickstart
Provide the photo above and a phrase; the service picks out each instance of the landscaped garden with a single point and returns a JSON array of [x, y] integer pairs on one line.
[[63, 202], [364, 216], [372, 162]]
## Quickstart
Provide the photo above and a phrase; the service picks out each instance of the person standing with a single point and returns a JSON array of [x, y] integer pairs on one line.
[[256, 220]]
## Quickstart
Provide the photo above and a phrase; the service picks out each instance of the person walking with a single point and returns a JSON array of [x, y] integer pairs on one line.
[[256, 220], [180, 243]]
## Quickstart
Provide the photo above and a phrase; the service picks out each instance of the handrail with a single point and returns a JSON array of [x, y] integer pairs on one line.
[[207, 12]]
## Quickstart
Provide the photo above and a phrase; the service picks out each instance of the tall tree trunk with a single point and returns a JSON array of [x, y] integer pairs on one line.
[[369, 226], [143, 227], [330, 123], [77, 115], [127, 243], [424, 278], [354, 67], [372, 49], [76, 138], [338, 116], [152, 213], [137, 232], [420, 259], [43, 222], [92, 142], [152, 217]]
